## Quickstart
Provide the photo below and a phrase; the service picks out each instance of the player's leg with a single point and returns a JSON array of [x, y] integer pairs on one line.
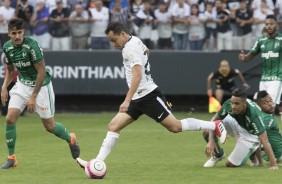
[[217, 156], [241, 153], [45, 108], [16, 106], [120, 121], [158, 108], [219, 94]]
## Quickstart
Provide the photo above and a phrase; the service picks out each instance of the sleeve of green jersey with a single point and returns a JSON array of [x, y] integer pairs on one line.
[[258, 125], [223, 111], [255, 50], [36, 53]]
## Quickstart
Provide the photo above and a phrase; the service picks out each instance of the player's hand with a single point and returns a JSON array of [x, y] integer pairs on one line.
[[246, 86], [124, 106], [31, 104], [209, 92], [4, 96], [242, 56], [210, 147]]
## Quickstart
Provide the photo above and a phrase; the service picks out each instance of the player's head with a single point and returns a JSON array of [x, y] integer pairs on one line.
[[117, 34], [238, 101], [265, 102], [224, 66], [271, 25], [16, 30]]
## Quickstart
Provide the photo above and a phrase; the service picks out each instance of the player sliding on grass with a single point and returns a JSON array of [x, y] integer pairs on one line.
[[143, 96], [245, 122], [33, 89]]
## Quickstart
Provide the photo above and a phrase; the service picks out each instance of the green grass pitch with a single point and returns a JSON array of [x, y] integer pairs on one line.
[[146, 153]]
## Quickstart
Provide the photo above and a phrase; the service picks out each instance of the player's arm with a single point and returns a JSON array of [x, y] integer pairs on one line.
[[241, 77], [211, 146], [209, 88], [10, 70], [258, 155], [245, 57], [136, 79], [41, 75], [267, 147]]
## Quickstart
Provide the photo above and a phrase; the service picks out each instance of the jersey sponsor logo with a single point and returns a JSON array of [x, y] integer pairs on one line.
[[24, 54], [270, 54], [33, 54], [262, 46], [22, 64], [26, 46]]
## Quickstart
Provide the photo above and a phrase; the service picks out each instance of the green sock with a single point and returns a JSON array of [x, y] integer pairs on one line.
[[61, 132], [11, 138], [216, 154]]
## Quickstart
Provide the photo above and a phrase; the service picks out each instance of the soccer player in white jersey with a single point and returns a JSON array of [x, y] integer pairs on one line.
[[143, 96]]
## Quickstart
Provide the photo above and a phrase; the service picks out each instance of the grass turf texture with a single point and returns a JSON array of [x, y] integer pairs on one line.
[[146, 153]]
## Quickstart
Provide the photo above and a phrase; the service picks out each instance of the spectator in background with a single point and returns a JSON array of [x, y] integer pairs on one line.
[[233, 6], [196, 29], [71, 4], [6, 13], [180, 17], [259, 18], [100, 20], [135, 6], [24, 11], [210, 18], [244, 20], [145, 20], [40, 26], [278, 13], [52, 4], [59, 28], [224, 78], [79, 27], [121, 14], [256, 4], [164, 27], [224, 33]]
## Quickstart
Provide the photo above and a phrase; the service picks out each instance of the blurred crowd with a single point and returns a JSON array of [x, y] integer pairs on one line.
[[207, 25]]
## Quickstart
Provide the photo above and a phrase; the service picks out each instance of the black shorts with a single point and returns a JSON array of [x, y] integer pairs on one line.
[[228, 88], [153, 105]]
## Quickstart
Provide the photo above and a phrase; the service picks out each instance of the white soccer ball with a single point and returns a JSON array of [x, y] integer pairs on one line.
[[95, 169]]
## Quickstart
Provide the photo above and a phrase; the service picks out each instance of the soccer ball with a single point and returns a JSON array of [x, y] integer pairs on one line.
[[95, 169]]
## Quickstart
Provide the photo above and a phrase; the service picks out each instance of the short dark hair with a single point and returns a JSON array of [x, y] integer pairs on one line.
[[260, 95], [116, 28], [239, 93], [16, 23], [271, 16]]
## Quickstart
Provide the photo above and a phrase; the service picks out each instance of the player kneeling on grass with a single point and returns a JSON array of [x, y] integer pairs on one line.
[[33, 89], [143, 96], [265, 102], [243, 121]]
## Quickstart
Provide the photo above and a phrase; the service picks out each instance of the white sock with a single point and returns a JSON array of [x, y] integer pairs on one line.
[[196, 124], [108, 145]]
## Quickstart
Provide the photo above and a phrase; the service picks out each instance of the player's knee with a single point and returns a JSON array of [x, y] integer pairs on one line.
[[113, 127], [11, 120], [174, 129], [229, 164], [205, 133]]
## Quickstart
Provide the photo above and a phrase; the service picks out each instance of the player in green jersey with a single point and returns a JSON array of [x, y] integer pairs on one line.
[[266, 104], [270, 47], [243, 121], [33, 89]]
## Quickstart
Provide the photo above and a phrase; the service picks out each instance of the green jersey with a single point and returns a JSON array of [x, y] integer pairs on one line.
[[271, 54], [250, 121], [24, 57], [274, 137]]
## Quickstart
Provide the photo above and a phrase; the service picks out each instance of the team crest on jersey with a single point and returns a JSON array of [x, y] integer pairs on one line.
[[24, 54], [262, 46], [276, 44]]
